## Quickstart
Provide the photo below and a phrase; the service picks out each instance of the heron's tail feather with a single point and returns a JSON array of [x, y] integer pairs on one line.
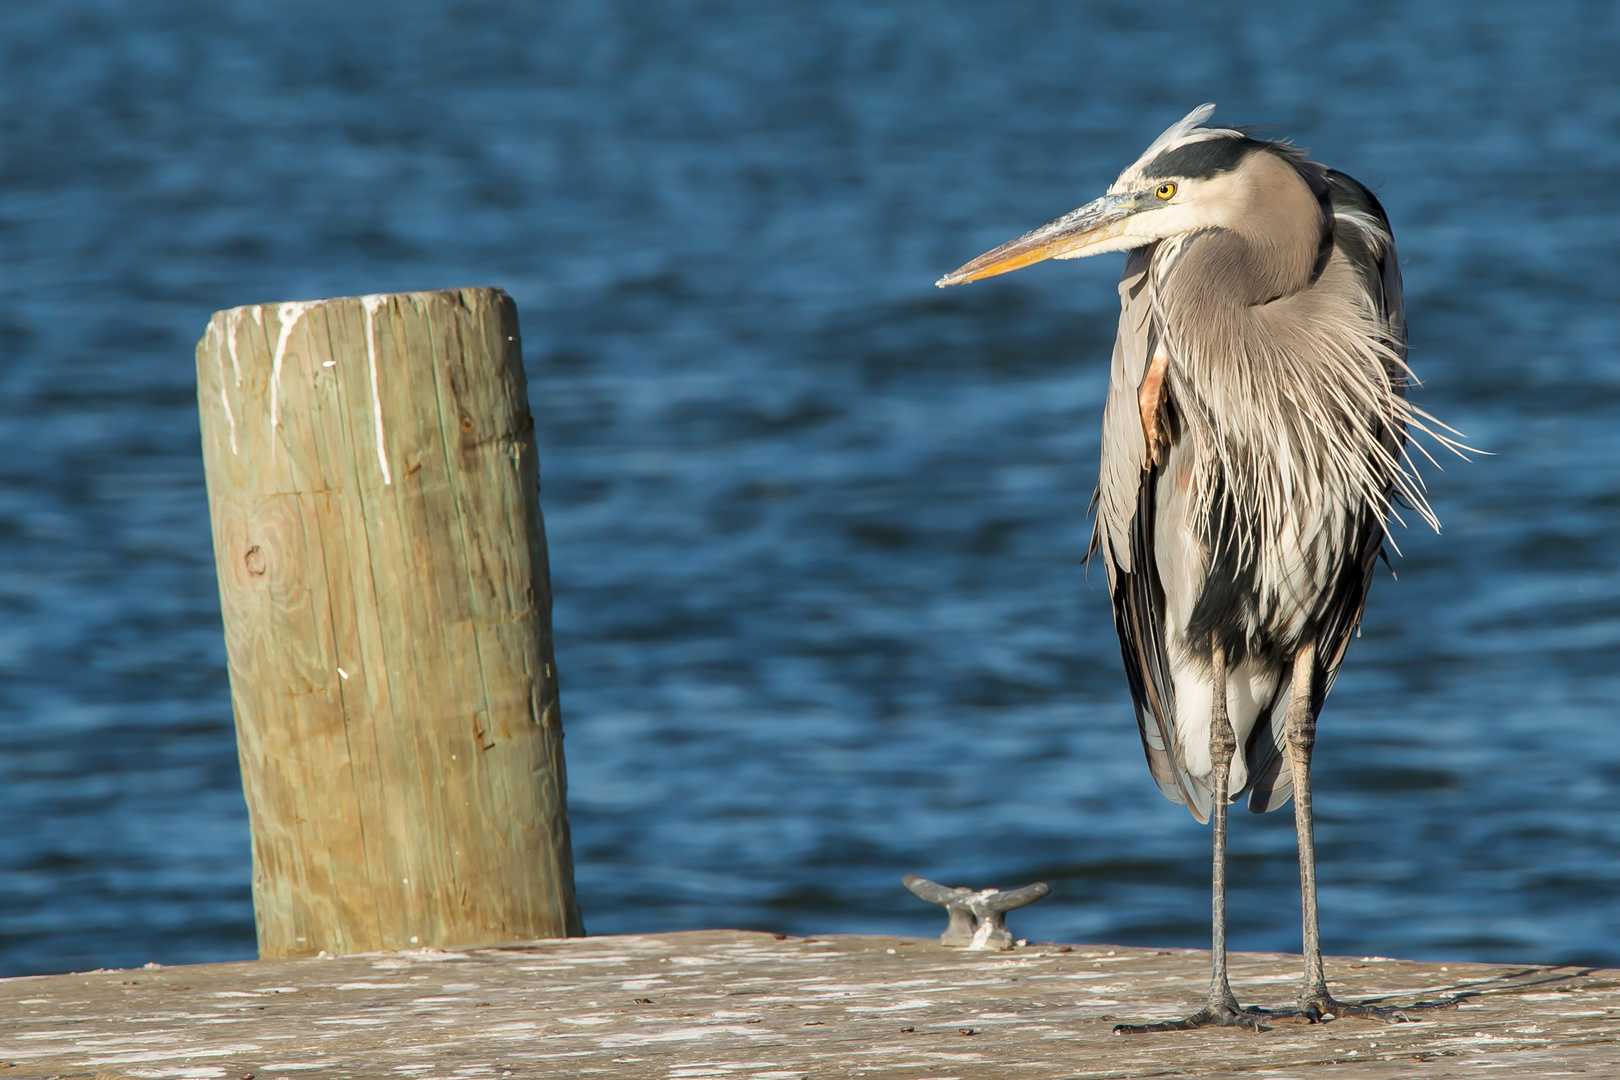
[[1271, 783]]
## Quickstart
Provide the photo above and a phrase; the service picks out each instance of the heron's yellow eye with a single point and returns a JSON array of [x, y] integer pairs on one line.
[[1165, 191]]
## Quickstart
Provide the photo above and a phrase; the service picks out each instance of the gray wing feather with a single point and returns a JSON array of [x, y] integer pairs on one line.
[[1124, 449], [1124, 534]]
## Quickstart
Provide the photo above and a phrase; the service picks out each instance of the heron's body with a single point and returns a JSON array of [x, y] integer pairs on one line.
[[1256, 518], [1252, 450]]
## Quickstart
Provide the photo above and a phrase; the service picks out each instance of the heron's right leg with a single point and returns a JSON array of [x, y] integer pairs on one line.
[[1315, 1002], [1221, 1008]]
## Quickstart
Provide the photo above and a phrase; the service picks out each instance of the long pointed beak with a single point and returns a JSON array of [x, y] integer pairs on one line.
[[1067, 237]]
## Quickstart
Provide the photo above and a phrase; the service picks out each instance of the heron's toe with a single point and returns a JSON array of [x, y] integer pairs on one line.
[[1238, 1016], [1323, 1008]]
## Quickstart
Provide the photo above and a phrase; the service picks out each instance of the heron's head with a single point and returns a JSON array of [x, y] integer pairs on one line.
[[1191, 178]]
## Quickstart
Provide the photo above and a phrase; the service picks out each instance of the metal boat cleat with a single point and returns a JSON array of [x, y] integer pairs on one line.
[[978, 919]]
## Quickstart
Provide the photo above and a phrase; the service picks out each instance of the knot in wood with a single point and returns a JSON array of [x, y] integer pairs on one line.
[[253, 559]]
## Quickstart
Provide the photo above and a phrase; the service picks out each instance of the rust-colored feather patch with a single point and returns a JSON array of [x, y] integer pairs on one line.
[[1151, 398]]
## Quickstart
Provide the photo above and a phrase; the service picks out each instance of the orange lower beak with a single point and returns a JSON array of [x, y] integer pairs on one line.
[[1067, 237]]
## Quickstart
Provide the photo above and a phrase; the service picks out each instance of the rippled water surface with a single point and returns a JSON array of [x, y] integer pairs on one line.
[[816, 526]]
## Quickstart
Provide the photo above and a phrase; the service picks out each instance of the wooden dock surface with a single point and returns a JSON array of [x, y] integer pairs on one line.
[[730, 1004]]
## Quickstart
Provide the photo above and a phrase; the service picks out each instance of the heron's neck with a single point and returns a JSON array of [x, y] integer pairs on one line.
[[1222, 272], [1270, 248], [1234, 300]]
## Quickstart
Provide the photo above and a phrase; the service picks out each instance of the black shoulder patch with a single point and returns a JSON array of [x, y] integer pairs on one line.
[[1351, 194], [1201, 160], [1371, 256]]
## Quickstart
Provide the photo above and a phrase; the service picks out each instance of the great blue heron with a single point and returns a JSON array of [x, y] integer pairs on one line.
[[1252, 453]]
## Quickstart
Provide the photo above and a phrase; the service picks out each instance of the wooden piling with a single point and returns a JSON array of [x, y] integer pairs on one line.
[[373, 483]]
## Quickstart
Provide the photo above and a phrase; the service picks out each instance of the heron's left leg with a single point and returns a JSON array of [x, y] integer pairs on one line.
[[1221, 1008], [1315, 1003]]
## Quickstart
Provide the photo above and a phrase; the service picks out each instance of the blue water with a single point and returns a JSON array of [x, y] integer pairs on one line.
[[815, 525]]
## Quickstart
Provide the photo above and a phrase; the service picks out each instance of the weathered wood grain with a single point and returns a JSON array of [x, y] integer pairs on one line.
[[373, 483], [732, 1004]]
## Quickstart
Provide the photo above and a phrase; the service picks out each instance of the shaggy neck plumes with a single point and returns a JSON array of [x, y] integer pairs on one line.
[[1287, 382]]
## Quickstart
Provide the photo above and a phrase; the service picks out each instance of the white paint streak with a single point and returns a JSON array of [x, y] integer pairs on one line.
[[298, 1066], [372, 303], [289, 314], [231, 322], [226, 401], [905, 1005], [187, 1052], [219, 361], [688, 1034], [431, 954]]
